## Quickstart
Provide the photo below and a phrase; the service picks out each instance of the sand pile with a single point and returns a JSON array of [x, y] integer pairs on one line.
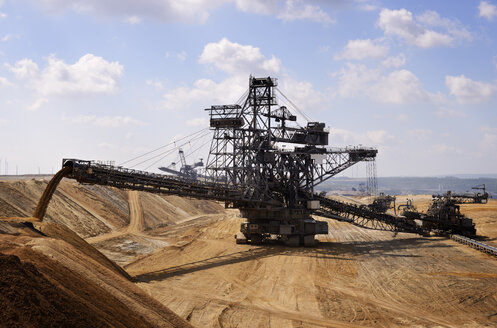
[[56, 275], [91, 211], [29, 299]]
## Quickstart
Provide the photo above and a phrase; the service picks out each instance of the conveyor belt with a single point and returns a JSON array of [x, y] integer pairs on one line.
[[475, 244], [363, 216], [94, 173]]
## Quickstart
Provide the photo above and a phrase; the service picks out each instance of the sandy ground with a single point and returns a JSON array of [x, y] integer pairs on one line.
[[182, 253], [353, 277]]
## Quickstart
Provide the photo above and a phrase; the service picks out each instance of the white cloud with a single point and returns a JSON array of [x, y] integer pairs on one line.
[[24, 68], [361, 49], [90, 74], [2, 15], [182, 56], [344, 137], [449, 112], [396, 87], [265, 7], [156, 84], [133, 20], [37, 104], [190, 11], [377, 137], [102, 121], [4, 82], [367, 5], [468, 91], [303, 95], [324, 49], [419, 134], [205, 91], [402, 117], [115, 121], [487, 10], [195, 11], [399, 87], [354, 79], [107, 146], [489, 140], [236, 58], [298, 10], [8, 37], [238, 61], [416, 32], [442, 148], [289, 10], [430, 39], [453, 27], [394, 61], [228, 91]]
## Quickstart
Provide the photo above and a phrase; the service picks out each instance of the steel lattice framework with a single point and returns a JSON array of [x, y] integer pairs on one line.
[[247, 149], [260, 161]]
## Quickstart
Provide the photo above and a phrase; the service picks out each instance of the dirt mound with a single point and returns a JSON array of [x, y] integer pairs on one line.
[[61, 232], [29, 299], [86, 210], [55, 259], [91, 211]]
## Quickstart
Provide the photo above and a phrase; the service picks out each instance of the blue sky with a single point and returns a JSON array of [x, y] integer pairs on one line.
[[109, 80]]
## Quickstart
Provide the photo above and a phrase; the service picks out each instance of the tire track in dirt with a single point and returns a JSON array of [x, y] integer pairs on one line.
[[136, 222]]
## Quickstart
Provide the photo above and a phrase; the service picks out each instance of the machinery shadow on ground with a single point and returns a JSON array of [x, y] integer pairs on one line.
[[391, 247], [326, 250], [212, 262]]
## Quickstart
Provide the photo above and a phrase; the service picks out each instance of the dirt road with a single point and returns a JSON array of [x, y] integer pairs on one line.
[[136, 222]]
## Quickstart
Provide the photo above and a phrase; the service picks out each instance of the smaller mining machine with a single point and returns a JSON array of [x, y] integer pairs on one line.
[[259, 147], [444, 214], [188, 171]]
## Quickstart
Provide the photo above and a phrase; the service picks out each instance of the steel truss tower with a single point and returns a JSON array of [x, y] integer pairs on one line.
[[259, 149]]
